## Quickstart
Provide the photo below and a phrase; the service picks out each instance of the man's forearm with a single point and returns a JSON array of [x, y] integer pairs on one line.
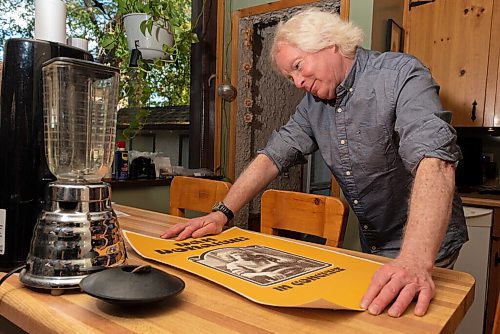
[[254, 178], [429, 212], [410, 274]]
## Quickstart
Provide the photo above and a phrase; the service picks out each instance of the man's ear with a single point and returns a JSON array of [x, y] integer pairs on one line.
[[333, 48]]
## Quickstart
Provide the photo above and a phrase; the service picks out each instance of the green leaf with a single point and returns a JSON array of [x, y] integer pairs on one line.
[[143, 27]]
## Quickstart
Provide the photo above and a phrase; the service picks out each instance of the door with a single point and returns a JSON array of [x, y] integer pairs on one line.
[[451, 37]]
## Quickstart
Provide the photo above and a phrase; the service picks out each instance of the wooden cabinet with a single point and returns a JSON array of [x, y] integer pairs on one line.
[[459, 41]]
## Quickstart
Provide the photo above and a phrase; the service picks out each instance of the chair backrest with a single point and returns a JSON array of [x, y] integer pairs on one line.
[[195, 194], [334, 187], [323, 216]]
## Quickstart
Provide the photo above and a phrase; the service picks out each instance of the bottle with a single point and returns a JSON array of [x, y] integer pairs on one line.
[[121, 161]]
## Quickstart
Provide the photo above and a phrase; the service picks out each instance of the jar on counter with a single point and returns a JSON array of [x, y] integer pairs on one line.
[[121, 161]]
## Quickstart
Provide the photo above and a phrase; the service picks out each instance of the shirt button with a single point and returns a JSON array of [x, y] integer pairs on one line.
[[348, 173], [342, 141], [356, 202], [351, 89], [339, 110], [374, 248], [366, 227]]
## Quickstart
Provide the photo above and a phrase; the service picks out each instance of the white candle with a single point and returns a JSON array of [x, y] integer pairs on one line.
[[50, 20]]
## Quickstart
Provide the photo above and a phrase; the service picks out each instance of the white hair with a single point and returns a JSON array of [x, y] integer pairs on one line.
[[312, 30]]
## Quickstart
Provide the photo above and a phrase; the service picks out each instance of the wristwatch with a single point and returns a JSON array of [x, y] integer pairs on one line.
[[219, 206]]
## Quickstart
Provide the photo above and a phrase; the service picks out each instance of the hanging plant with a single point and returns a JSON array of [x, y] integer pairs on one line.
[[162, 81]]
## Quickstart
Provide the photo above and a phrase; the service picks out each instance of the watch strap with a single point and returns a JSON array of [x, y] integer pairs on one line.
[[219, 206]]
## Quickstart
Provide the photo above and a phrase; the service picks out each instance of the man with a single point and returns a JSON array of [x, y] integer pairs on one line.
[[379, 125]]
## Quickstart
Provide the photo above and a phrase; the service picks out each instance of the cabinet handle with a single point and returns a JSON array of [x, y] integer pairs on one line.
[[497, 259], [473, 112]]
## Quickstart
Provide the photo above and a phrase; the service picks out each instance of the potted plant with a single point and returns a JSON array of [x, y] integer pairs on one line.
[[146, 36], [151, 25], [159, 71]]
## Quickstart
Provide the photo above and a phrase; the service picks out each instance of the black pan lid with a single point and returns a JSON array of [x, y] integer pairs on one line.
[[132, 284]]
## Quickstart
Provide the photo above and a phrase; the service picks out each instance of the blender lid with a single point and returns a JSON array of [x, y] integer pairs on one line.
[[86, 63], [131, 284]]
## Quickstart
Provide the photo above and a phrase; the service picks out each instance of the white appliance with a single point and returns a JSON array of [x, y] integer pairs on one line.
[[474, 259]]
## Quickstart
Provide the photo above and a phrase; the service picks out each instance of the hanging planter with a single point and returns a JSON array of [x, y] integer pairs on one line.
[[146, 38], [150, 42]]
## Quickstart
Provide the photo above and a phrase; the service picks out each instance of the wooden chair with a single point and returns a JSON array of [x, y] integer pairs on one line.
[[195, 194], [317, 215], [334, 188]]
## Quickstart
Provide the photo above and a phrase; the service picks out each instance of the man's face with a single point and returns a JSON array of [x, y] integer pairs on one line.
[[318, 73]]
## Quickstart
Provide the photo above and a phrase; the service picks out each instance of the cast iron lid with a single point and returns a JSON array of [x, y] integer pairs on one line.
[[132, 285]]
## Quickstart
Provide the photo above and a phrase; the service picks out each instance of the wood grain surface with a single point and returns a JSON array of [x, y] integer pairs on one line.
[[204, 307]]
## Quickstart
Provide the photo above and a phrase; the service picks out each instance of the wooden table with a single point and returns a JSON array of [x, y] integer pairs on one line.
[[204, 307]]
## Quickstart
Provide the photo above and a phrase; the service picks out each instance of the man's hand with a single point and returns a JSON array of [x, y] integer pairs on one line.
[[399, 281], [197, 227]]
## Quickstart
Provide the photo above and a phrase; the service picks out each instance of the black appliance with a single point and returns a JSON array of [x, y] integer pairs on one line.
[[142, 168], [469, 172], [23, 168]]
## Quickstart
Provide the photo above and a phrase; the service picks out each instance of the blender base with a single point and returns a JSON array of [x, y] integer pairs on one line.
[[54, 284], [76, 235]]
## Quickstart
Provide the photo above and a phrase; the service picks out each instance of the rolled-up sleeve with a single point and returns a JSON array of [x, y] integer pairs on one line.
[[288, 146], [421, 123]]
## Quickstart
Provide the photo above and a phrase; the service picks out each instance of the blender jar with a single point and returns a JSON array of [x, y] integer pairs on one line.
[[80, 107]]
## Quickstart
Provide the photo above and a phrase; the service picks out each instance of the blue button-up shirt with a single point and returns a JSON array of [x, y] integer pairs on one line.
[[386, 118]]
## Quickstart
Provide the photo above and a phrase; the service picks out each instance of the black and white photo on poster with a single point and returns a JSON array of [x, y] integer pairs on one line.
[[258, 264]]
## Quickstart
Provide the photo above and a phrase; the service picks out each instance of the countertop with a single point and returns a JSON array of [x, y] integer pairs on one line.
[[205, 307], [130, 184], [136, 183], [477, 199]]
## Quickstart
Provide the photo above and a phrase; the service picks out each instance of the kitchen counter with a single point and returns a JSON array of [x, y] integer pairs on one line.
[[477, 199], [205, 307], [138, 183]]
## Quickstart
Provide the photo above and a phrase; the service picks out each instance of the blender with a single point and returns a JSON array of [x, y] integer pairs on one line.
[[77, 232], [24, 174]]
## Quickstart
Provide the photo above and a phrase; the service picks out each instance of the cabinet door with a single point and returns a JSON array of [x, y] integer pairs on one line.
[[451, 37]]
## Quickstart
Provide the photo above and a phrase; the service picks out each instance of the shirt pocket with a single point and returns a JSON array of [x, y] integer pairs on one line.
[[376, 152]]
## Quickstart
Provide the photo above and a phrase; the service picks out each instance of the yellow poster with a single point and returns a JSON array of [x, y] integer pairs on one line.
[[266, 269]]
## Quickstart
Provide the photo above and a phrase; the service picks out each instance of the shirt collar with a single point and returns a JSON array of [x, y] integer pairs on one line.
[[360, 61]]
